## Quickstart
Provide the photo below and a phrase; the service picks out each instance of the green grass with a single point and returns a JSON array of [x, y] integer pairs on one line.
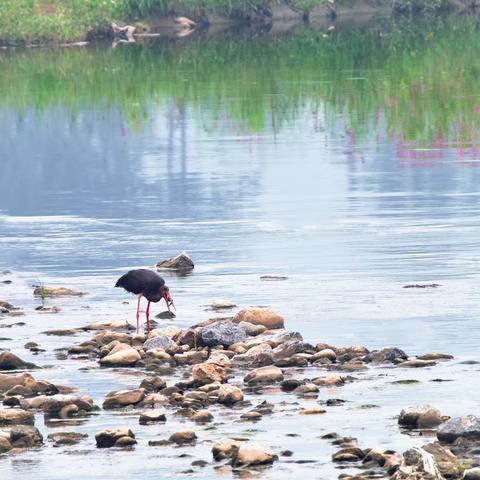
[[419, 80], [57, 21]]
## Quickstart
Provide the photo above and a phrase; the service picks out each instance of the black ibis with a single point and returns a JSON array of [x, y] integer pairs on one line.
[[148, 284]]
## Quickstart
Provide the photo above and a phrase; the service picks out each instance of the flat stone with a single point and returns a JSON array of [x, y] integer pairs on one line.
[[329, 381], [312, 411], [221, 304], [44, 291], [416, 363], [124, 358], [109, 325], [66, 438], [435, 356]]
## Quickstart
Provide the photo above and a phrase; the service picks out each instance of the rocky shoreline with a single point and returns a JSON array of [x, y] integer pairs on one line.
[[218, 368]]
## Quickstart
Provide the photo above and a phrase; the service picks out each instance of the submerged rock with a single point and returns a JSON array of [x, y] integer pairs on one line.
[[420, 416], [25, 436], [181, 262], [152, 416], [260, 316], [66, 438], [465, 427], [115, 437], [222, 304], [225, 448], [44, 291], [202, 416], [222, 333]]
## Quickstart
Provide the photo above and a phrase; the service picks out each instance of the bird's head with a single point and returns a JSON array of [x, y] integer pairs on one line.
[[167, 297]]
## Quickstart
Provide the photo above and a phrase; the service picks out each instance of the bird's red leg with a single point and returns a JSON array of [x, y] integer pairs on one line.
[[147, 312], [138, 310]]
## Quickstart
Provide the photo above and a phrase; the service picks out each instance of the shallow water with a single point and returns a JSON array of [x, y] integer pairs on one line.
[[352, 173]]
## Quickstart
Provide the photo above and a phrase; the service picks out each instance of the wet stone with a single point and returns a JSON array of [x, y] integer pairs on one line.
[[10, 361], [467, 427], [111, 437], [25, 436], [66, 438], [420, 416], [183, 437], [16, 417], [152, 416]]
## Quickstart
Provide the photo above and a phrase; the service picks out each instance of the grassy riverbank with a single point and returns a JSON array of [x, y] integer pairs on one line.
[[56, 21]]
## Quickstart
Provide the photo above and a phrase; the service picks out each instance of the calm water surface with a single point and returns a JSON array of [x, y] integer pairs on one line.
[[353, 171]]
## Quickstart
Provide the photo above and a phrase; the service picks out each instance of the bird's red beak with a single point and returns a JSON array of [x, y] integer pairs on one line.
[[168, 299]]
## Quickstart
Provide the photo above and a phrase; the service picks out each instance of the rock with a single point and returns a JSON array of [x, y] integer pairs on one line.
[[181, 262], [220, 358], [205, 373], [386, 355], [280, 338], [63, 332], [9, 381], [190, 358], [312, 411], [273, 278], [290, 384], [66, 438], [329, 381], [161, 341], [327, 353], [171, 332], [183, 437], [125, 441], [222, 304], [349, 454], [420, 416], [251, 416], [62, 404], [25, 436], [111, 437], [152, 416], [166, 314], [124, 358], [259, 355], [123, 398], [416, 363], [435, 356], [383, 458], [269, 374], [5, 445], [225, 448], [228, 395], [153, 384], [260, 316], [9, 361], [252, 330], [44, 291], [109, 325], [16, 417], [289, 349], [465, 427], [307, 389], [188, 337], [154, 400], [250, 454], [222, 333], [202, 416], [470, 474]]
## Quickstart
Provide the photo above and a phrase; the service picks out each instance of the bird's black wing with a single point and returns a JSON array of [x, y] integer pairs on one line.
[[140, 281]]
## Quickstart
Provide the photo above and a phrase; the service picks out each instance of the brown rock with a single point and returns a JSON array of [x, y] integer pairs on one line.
[[123, 358], [25, 436], [9, 361], [153, 384], [5, 445], [110, 436], [44, 291], [183, 437], [225, 448], [181, 262], [66, 438], [16, 417], [205, 373], [416, 363], [260, 316], [349, 454], [250, 454], [435, 356], [420, 416], [329, 381], [123, 398], [269, 374], [152, 416], [228, 395], [202, 416]]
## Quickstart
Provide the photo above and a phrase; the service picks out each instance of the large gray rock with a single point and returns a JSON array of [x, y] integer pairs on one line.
[[467, 427], [161, 341], [222, 333], [386, 355]]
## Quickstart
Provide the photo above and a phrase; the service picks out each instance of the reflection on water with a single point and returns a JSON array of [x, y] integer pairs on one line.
[[347, 162]]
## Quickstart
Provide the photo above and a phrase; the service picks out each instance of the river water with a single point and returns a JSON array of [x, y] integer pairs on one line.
[[346, 161]]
